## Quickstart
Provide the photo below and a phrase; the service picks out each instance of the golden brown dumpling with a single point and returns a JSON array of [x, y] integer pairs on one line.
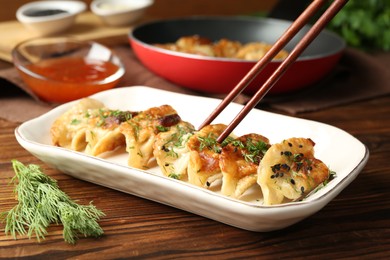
[[103, 132], [171, 151], [91, 127], [226, 48], [140, 133], [69, 129], [239, 161], [257, 50], [289, 170], [203, 166], [195, 45]]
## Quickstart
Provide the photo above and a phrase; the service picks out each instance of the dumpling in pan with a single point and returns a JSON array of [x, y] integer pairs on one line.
[[69, 129], [239, 161], [171, 151], [257, 50], [140, 133], [203, 166], [289, 170]]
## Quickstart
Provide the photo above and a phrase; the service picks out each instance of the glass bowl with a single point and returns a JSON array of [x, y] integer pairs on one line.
[[63, 69]]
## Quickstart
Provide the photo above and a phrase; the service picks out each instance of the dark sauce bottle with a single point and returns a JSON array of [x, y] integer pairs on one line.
[[43, 12]]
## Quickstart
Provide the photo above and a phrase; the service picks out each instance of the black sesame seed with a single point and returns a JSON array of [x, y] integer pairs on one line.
[[290, 144], [276, 167], [272, 176], [285, 166], [292, 181], [302, 189]]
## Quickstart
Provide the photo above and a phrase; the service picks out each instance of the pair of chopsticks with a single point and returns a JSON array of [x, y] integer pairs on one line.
[[294, 28]]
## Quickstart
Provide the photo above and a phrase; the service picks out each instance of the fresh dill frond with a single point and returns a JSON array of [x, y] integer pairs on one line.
[[41, 203]]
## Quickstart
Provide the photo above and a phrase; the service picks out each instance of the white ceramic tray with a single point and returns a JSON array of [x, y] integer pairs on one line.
[[343, 153]]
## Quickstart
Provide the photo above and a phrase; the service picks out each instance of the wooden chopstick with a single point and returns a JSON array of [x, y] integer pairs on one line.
[[259, 66], [309, 12]]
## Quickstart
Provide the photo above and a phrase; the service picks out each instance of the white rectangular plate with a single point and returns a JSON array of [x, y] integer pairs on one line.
[[343, 153]]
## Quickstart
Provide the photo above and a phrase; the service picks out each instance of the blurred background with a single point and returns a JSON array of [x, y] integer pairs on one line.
[[363, 24], [169, 8]]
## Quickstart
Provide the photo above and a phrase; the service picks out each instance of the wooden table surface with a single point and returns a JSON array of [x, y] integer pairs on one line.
[[356, 224]]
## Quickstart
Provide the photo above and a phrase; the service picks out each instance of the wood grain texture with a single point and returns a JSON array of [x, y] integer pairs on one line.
[[354, 225]]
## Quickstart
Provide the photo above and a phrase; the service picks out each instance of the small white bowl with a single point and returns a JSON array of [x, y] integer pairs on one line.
[[120, 12], [49, 17]]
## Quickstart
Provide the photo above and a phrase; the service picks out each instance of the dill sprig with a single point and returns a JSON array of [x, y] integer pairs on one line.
[[41, 203]]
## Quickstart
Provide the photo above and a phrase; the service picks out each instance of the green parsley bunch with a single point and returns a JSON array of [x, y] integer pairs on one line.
[[364, 24]]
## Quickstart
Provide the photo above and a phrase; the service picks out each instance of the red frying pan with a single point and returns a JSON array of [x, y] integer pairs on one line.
[[220, 75]]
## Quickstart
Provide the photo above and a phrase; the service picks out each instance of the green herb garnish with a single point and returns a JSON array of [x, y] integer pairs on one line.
[[161, 128], [41, 203], [75, 121], [122, 116], [255, 149], [210, 142], [174, 176]]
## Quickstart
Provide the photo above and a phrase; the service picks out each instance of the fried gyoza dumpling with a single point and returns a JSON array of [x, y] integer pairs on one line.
[[69, 129], [239, 161], [226, 48], [290, 170], [203, 166], [140, 133], [257, 50], [171, 151], [195, 45], [103, 132]]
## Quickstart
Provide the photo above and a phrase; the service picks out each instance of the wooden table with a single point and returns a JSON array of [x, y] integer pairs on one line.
[[354, 225]]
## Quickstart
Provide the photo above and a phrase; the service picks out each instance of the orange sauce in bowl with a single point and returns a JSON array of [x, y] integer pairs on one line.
[[69, 78]]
